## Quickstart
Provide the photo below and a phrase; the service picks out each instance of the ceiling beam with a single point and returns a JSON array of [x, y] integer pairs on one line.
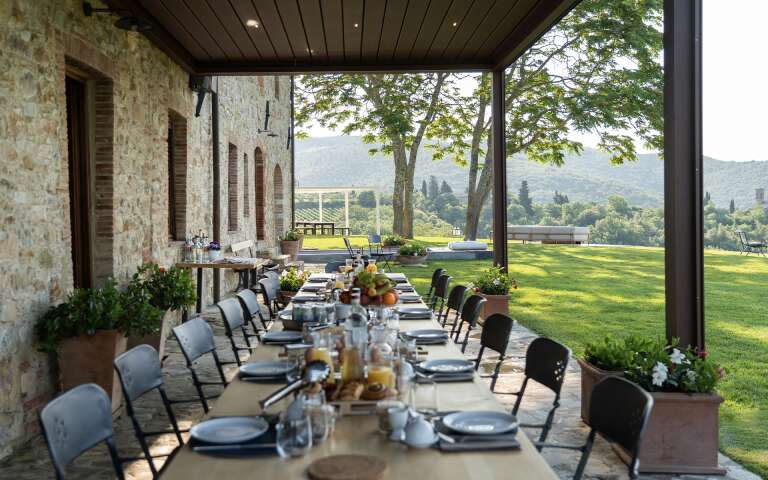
[[237, 68], [530, 29]]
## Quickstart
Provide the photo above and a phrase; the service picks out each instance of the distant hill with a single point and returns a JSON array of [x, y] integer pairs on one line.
[[345, 161]]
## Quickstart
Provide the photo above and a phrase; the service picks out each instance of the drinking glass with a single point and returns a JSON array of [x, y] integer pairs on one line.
[[424, 396], [322, 418], [294, 437]]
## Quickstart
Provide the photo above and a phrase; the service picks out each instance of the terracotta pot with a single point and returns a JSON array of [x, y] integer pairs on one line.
[[411, 259], [682, 435], [591, 376], [88, 359], [170, 319], [494, 304], [290, 247], [285, 296]]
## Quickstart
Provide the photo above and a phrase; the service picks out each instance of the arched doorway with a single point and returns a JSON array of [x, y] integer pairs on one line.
[[278, 195], [259, 188]]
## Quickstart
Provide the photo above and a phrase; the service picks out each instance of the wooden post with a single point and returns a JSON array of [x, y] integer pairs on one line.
[[499, 170], [346, 209], [320, 205], [683, 186]]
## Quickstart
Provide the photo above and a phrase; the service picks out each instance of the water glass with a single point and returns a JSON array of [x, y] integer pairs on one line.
[[424, 396], [323, 419], [294, 437]]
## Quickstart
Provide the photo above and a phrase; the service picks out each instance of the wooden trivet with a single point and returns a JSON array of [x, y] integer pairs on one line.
[[347, 467]]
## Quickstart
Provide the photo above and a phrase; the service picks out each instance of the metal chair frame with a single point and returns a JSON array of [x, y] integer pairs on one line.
[[435, 275], [139, 372], [195, 338], [748, 246], [252, 310], [440, 294], [470, 312], [455, 302], [619, 411], [545, 362], [77, 421], [376, 251], [269, 288], [232, 313]]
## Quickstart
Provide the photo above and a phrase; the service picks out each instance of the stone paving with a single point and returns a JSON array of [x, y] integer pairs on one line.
[[567, 429]]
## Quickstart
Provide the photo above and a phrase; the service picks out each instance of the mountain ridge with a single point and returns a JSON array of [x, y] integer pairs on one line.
[[325, 161]]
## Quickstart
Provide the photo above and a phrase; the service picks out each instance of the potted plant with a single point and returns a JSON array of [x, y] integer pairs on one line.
[[393, 241], [412, 253], [291, 281], [494, 285], [682, 432], [290, 244], [214, 251], [170, 291], [89, 330]]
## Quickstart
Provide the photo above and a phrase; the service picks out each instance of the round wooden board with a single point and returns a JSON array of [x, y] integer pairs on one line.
[[347, 467]]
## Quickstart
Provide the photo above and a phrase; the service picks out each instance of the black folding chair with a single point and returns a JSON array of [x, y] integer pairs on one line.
[[77, 421], [333, 267], [139, 372], [377, 252], [195, 338], [454, 303], [470, 312], [232, 313], [351, 251], [252, 311], [619, 411], [545, 362], [747, 246], [435, 276], [269, 289], [440, 294]]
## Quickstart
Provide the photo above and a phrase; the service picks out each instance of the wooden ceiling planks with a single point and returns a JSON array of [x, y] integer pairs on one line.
[[214, 36]]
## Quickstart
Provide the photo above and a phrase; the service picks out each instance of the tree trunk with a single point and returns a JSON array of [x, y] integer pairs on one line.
[[476, 198], [398, 193], [408, 200]]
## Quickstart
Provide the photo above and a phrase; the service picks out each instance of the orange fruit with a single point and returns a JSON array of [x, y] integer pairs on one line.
[[390, 298]]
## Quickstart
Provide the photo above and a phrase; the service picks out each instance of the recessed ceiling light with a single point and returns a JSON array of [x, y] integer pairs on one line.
[[356, 25], [252, 23], [455, 23]]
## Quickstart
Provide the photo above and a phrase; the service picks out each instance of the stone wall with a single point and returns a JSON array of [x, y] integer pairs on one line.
[[133, 88]]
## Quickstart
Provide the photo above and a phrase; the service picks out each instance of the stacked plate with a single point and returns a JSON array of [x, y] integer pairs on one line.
[[266, 371], [320, 277], [411, 297], [414, 313], [445, 370], [481, 422], [427, 336], [404, 287], [398, 277], [282, 337], [312, 287], [302, 297]]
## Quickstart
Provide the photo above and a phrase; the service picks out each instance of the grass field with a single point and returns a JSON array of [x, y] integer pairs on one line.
[[576, 294], [327, 242]]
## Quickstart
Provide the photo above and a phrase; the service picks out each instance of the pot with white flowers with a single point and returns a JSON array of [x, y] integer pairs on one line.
[[494, 285], [682, 432]]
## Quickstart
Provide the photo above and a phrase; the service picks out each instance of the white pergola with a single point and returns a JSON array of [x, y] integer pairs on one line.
[[346, 191]]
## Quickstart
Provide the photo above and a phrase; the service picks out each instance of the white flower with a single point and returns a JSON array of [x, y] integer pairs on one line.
[[691, 374], [676, 357], [660, 372], [496, 281]]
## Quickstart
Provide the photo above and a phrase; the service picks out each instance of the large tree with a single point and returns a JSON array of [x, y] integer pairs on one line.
[[597, 72], [392, 111]]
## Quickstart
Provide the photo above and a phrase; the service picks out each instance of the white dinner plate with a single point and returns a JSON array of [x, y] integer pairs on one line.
[[480, 422], [414, 310], [265, 369], [427, 334], [282, 336], [447, 365], [229, 430]]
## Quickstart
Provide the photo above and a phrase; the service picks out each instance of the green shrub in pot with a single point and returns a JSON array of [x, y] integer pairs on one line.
[[168, 288], [413, 249]]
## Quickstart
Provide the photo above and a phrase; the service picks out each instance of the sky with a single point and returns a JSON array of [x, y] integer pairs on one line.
[[735, 81]]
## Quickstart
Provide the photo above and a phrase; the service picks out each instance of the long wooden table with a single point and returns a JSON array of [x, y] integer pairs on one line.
[[358, 434], [223, 263]]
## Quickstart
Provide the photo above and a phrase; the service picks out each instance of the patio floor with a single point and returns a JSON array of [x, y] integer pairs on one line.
[[568, 428]]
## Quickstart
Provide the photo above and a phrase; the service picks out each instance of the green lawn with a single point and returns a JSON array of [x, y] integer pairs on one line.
[[575, 294], [327, 242]]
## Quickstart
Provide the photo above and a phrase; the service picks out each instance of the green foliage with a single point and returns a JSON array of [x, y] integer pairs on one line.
[[433, 190], [366, 199], [291, 279], [524, 198], [291, 236], [618, 354], [168, 288], [413, 249], [494, 281], [87, 310], [393, 241]]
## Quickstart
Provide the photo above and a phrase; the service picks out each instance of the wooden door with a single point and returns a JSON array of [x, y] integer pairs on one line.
[[79, 182]]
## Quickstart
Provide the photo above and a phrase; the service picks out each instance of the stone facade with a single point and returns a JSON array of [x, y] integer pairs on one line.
[[132, 88]]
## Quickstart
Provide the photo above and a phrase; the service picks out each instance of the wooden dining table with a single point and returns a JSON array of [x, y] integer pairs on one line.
[[356, 434]]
